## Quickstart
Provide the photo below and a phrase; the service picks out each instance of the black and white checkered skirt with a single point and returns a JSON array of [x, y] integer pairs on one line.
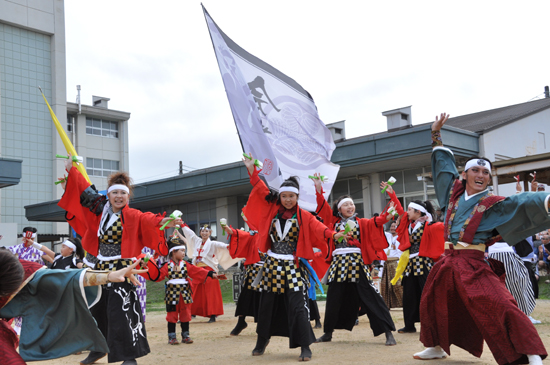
[[281, 275], [173, 292], [418, 266], [346, 268]]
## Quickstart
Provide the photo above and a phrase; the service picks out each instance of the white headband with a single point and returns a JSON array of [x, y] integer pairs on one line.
[[118, 187], [477, 162], [33, 235], [176, 248], [204, 227], [290, 189], [345, 200], [70, 245], [422, 209]]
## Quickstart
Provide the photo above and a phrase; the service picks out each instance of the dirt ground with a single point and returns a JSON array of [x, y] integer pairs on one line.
[[213, 345]]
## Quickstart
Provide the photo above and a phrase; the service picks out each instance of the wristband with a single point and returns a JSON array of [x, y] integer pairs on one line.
[[436, 139], [38, 246]]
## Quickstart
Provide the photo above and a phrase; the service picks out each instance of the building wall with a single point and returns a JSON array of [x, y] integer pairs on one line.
[[32, 54], [525, 137], [99, 147]]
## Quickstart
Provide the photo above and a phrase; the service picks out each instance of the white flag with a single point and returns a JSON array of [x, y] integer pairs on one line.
[[276, 119]]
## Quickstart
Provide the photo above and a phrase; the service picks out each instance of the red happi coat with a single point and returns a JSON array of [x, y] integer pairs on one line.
[[260, 214], [373, 240], [244, 245], [193, 272], [432, 244], [138, 229]]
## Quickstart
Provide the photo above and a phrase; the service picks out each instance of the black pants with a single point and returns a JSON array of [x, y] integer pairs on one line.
[[412, 293], [118, 316], [285, 315], [531, 267], [346, 299], [314, 311], [248, 303]]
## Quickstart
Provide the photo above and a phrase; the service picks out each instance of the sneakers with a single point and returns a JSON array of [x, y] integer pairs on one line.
[[407, 330], [185, 338], [431, 353], [173, 341], [534, 321]]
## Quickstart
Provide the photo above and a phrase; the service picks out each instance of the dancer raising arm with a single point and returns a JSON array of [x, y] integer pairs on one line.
[[288, 234], [464, 301], [207, 295], [350, 286], [114, 233]]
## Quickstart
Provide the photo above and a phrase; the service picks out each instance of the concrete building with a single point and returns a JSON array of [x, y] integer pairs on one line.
[[32, 54], [404, 151]]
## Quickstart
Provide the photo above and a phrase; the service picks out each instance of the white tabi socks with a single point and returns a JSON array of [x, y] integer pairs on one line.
[[534, 360], [431, 353]]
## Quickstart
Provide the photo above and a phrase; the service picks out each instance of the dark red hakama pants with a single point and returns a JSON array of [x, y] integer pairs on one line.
[[464, 303], [207, 298]]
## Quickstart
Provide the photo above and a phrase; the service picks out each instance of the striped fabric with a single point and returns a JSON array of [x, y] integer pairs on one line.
[[517, 280]]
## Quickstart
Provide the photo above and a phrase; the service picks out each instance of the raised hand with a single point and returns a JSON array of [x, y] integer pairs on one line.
[[318, 183], [439, 122], [249, 163]]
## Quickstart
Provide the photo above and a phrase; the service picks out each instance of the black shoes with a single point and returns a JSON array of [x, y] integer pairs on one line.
[[241, 325], [407, 330], [390, 341], [318, 324], [261, 344], [327, 337], [93, 356], [306, 354], [212, 319]]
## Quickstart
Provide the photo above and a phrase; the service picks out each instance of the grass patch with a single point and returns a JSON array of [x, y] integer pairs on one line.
[[544, 288], [155, 293]]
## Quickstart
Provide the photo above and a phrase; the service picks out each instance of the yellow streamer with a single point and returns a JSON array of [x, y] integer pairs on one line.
[[66, 141], [401, 266]]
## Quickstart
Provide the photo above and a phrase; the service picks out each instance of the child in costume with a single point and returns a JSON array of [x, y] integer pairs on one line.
[[71, 255], [351, 289], [178, 296], [288, 235]]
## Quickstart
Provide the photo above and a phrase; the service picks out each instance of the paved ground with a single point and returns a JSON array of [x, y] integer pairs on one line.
[[213, 345]]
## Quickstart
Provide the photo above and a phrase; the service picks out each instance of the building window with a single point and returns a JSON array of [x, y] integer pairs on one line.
[[99, 167], [101, 127], [69, 123]]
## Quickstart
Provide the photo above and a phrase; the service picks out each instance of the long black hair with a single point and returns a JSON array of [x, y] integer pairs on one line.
[[79, 252], [427, 205], [11, 273]]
